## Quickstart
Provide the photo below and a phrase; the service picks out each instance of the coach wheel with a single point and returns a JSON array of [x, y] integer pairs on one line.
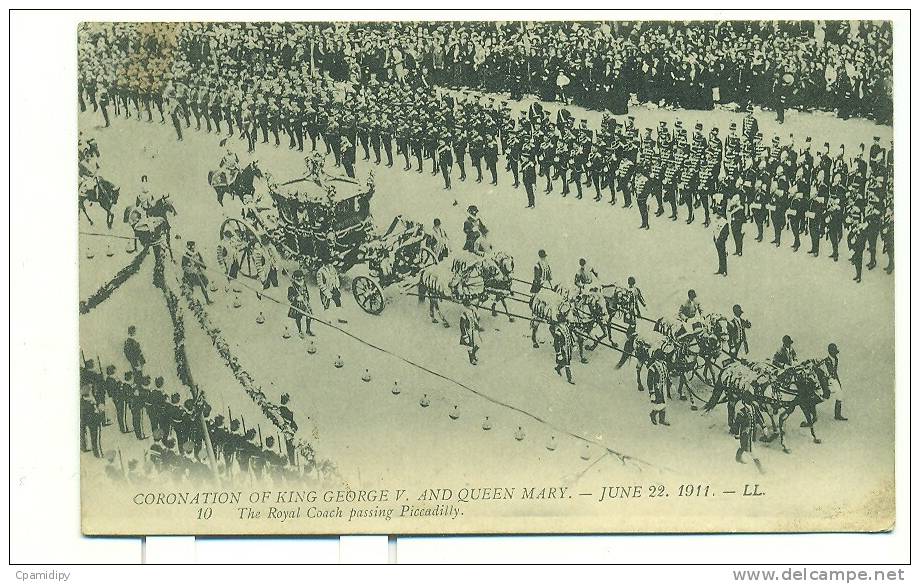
[[368, 294], [250, 240]]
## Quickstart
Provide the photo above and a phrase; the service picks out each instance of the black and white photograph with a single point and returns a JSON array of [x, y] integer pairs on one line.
[[485, 276]]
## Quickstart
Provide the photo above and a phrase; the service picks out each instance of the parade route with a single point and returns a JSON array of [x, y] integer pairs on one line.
[[373, 434]]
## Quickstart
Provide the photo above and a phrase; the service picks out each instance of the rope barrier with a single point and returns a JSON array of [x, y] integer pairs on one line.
[[623, 458]]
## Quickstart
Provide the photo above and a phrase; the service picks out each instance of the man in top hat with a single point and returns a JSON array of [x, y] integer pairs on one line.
[[785, 356], [737, 332], [193, 267], [473, 227], [133, 352]]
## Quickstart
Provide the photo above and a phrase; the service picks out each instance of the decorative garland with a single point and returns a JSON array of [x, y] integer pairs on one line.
[[271, 411], [255, 393], [103, 293], [175, 315]]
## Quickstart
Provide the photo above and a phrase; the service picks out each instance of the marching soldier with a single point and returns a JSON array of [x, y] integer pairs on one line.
[[732, 156], [888, 239], [563, 159], [547, 161], [460, 146], [513, 150], [856, 239], [778, 207], [529, 175], [834, 220], [476, 149], [445, 161], [491, 157], [816, 220], [796, 215], [645, 186], [873, 229], [736, 218]]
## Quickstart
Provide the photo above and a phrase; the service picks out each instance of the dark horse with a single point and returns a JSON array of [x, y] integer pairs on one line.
[[777, 393], [804, 386], [242, 184], [102, 192]]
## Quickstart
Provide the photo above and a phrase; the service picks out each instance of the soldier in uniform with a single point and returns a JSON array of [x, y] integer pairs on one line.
[[778, 206], [138, 402], [476, 149], [856, 239], [491, 157], [736, 218], [644, 187], [386, 137], [299, 299], [796, 213], [460, 145], [547, 161], [445, 161], [873, 229], [562, 163], [832, 366], [888, 239], [816, 219], [580, 162], [529, 174], [834, 220]]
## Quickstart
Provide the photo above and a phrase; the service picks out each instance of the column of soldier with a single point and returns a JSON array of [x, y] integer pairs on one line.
[[170, 430], [780, 184]]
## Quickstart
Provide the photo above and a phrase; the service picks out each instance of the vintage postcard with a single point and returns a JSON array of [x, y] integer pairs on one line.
[[486, 277]]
